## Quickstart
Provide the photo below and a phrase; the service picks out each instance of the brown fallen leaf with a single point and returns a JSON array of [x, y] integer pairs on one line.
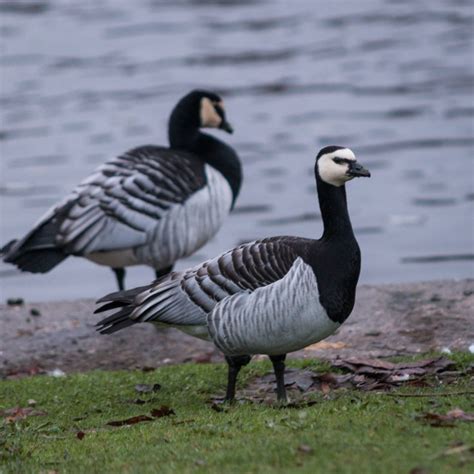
[[325, 388], [459, 414], [429, 365], [130, 421], [18, 413], [205, 358], [456, 450], [326, 345], [155, 413], [361, 373], [147, 368], [448, 420], [419, 470], [353, 363], [305, 449], [162, 411]]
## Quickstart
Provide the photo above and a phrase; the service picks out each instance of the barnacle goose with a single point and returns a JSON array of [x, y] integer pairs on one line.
[[152, 205], [271, 296]]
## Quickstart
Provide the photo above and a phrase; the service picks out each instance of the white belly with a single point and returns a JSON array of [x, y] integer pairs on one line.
[[114, 258]]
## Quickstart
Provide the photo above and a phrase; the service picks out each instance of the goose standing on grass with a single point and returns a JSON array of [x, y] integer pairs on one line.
[[152, 205], [271, 296]]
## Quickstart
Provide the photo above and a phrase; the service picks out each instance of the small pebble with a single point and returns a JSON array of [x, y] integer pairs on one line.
[[15, 301], [56, 373], [35, 312]]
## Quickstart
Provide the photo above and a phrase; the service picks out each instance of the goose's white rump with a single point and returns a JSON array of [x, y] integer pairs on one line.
[[276, 319]]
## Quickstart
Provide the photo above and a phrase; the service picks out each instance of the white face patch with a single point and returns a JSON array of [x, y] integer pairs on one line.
[[334, 173], [209, 117]]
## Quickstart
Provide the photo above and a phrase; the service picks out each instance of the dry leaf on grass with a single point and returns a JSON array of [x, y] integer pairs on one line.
[[448, 420], [363, 374], [457, 448], [18, 413], [305, 449], [130, 421], [326, 345], [155, 413], [162, 411], [373, 374]]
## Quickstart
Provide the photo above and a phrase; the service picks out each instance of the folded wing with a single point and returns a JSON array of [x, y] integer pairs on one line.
[[113, 209], [187, 298]]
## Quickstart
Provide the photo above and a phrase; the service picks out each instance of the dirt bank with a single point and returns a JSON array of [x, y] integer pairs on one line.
[[387, 320]]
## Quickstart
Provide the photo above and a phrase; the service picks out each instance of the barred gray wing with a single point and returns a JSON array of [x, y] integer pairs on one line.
[[117, 206], [187, 298]]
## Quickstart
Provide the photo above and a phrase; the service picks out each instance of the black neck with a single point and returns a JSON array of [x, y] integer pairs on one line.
[[184, 134], [333, 204], [183, 129], [336, 260]]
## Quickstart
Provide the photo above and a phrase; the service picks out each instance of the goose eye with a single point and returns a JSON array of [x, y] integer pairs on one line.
[[339, 161]]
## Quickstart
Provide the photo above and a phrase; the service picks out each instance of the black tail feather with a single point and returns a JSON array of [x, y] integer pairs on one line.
[[121, 319], [115, 322], [125, 296], [109, 306], [38, 252], [36, 261], [7, 247]]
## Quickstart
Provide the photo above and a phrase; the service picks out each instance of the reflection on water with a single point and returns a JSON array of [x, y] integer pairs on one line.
[[83, 81]]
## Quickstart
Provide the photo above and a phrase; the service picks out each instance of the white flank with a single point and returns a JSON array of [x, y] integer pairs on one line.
[[279, 318], [187, 227]]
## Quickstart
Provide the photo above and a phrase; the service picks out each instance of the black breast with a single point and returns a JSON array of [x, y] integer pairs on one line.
[[336, 264], [337, 269]]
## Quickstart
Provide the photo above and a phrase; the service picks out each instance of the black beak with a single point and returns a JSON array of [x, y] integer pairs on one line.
[[226, 126], [357, 171]]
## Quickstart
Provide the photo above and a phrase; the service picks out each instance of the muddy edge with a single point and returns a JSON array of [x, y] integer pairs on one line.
[[387, 320]]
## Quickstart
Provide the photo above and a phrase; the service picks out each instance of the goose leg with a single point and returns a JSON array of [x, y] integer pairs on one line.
[[120, 275], [235, 363], [163, 272], [279, 369]]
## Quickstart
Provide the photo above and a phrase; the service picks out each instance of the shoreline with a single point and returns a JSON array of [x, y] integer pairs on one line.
[[388, 320]]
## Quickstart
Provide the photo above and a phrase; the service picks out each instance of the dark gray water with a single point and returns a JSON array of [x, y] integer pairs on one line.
[[393, 80]]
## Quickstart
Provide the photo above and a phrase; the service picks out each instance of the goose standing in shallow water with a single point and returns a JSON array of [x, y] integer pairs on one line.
[[152, 205], [271, 296]]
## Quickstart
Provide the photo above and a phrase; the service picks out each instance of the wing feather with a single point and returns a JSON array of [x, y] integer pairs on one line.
[[187, 298], [120, 204]]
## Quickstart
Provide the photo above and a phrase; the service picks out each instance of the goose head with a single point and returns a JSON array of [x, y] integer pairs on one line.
[[205, 109], [335, 165]]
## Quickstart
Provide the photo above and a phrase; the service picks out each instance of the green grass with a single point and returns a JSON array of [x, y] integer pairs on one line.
[[348, 431]]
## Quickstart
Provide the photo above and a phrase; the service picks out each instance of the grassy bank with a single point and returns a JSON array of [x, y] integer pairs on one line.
[[345, 431]]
